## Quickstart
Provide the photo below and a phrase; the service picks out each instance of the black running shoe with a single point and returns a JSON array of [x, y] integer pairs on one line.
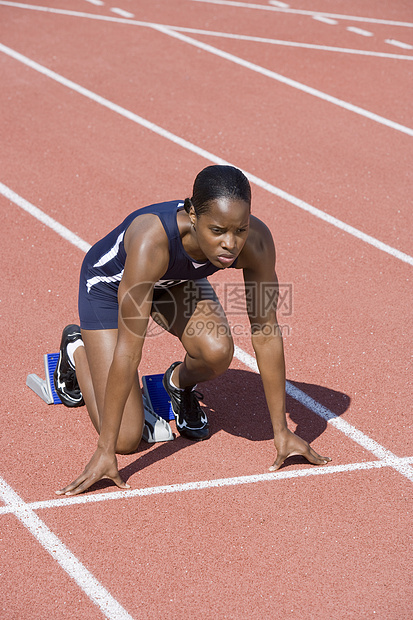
[[191, 421], [64, 376]]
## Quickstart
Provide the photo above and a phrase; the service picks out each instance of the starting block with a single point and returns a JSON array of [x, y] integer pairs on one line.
[[157, 396], [156, 404], [45, 387]]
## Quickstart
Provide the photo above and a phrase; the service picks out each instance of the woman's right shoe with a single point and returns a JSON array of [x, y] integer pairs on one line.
[[64, 376]]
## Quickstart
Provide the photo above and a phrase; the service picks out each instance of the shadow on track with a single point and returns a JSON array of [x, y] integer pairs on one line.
[[235, 403]]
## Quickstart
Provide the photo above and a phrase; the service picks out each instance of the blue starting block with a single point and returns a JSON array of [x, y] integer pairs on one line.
[[156, 403], [45, 387], [157, 406], [157, 396], [158, 410]]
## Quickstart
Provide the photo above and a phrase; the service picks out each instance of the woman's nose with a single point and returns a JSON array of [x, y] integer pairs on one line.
[[229, 242]]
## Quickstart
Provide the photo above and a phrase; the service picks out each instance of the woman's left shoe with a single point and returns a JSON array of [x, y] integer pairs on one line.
[[191, 421]]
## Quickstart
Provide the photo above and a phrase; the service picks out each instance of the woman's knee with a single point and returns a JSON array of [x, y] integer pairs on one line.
[[133, 419], [128, 442], [217, 353]]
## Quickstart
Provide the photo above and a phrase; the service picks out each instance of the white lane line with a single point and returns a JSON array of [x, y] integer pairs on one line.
[[284, 474], [342, 425], [325, 20], [211, 33], [281, 5], [96, 2], [44, 218], [122, 13], [208, 156], [263, 7], [313, 14], [289, 82], [59, 552], [350, 431], [311, 46], [360, 31], [405, 46]]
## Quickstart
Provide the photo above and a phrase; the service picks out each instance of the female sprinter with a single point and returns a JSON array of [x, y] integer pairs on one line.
[[142, 269]]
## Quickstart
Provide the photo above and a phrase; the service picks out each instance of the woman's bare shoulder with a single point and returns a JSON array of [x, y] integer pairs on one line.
[[145, 230], [259, 246], [147, 248]]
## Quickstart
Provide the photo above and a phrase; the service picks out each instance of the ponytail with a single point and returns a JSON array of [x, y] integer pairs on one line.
[[187, 204]]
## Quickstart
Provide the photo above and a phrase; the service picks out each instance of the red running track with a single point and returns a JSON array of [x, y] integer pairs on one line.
[[205, 531]]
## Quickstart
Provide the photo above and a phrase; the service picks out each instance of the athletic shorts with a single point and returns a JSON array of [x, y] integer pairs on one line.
[[99, 309]]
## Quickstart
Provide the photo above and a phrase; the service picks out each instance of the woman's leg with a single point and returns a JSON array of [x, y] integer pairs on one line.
[[193, 313], [92, 364]]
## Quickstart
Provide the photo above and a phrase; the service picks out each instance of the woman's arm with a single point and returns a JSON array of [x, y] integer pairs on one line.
[[147, 259], [261, 287], [135, 301]]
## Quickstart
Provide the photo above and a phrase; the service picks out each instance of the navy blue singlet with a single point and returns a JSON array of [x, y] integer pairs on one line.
[[103, 266]]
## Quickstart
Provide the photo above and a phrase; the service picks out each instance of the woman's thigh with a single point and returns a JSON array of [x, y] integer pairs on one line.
[[192, 312]]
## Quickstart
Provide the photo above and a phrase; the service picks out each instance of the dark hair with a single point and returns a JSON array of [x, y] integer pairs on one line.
[[216, 182]]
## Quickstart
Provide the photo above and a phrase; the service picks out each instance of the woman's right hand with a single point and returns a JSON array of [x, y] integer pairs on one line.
[[101, 465]]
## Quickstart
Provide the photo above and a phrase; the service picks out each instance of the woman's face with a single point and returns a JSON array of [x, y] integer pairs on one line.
[[222, 231]]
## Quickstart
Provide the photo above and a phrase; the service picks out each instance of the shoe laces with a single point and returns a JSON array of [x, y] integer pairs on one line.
[[190, 404]]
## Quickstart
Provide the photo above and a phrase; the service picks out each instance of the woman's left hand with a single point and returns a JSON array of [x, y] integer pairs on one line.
[[288, 444]]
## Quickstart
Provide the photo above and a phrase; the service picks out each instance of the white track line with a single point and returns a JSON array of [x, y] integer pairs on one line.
[[211, 33], [206, 155], [350, 431], [342, 425], [122, 13], [325, 20], [263, 7], [284, 474], [287, 81], [282, 5], [310, 46], [405, 46], [360, 31], [277, 77], [59, 552], [44, 218]]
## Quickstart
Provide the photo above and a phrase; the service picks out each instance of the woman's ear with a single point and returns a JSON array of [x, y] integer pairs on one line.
[[192, 216]]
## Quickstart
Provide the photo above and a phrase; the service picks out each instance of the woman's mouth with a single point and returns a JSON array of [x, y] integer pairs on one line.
[[226, 259]]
